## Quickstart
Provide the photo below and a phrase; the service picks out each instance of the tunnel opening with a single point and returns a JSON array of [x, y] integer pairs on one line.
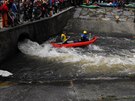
[[23, 36]]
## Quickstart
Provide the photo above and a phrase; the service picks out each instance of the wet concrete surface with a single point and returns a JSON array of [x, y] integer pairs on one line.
[[69, 91]]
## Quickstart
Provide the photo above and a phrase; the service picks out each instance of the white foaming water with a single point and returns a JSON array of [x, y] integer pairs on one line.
[[76, 55], [34, 49], [4, 73], [94, 47]]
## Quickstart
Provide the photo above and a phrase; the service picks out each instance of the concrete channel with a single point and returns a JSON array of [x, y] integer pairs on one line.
[[38, 79]]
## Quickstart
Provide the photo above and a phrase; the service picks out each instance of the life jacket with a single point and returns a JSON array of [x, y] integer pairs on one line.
[[84, 37], [63, 37]]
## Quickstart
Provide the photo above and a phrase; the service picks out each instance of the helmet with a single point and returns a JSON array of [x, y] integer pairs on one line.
[[84, 32]]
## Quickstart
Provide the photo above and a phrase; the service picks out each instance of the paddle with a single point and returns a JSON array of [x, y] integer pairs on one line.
[[90, 36], [66, 40]]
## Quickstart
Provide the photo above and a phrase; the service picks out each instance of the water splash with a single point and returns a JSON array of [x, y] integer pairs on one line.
[[4, 73], [84, 58]]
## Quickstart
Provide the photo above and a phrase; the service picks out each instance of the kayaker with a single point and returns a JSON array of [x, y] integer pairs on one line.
[[84, 36], [64, 38]]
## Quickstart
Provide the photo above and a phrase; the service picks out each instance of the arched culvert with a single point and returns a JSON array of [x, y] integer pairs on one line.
[[23, 36]]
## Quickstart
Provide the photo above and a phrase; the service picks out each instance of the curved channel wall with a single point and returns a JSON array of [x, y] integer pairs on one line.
[[102, 28], [104, 21], [38, 31]]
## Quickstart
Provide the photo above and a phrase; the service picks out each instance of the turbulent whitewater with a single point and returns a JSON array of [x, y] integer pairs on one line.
[[108, 54]]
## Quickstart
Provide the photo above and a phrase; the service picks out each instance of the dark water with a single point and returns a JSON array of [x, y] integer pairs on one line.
[[108, 57]]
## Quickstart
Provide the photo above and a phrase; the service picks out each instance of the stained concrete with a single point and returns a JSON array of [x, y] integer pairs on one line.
[[103, 21], [69, 91]]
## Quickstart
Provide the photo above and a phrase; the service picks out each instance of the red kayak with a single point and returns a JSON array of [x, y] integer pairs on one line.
[[76, 44]]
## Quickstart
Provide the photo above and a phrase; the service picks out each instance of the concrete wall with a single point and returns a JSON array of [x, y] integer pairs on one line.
[[38, 31], [103, 21], [102, 27]]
